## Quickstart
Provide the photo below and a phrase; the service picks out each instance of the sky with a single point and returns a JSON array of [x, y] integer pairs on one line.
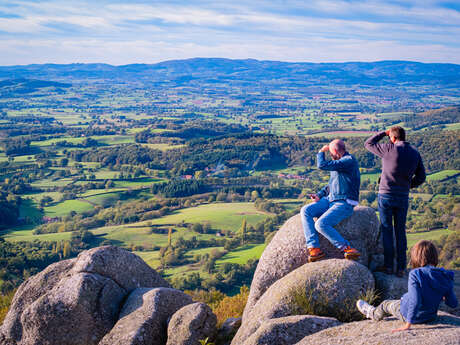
[[125, 32]]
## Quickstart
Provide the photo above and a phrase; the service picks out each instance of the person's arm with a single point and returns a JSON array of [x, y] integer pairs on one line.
[[450, 299], [414, 297], [419, 176], [372, 144], [334, 165]]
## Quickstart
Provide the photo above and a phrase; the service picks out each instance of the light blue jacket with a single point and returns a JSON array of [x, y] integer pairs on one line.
[[345, 177]]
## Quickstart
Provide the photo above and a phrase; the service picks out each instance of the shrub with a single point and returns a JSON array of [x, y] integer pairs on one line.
[[231, 306], [5, 302], [212, 297], [314, 302]]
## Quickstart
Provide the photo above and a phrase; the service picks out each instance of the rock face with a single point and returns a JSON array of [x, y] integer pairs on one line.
[[190, 324], [287, 250], [76, 302], [31, 290], [87, 303], [390, 286], [445, 331], [289, 330], [335, 282], [143, 319], [228, 330], [126, 269]]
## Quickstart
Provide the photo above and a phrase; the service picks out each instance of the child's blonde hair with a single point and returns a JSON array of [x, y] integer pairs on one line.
[[423, 253]]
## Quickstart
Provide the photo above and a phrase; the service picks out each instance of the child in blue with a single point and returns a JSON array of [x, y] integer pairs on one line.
[[427, 287]]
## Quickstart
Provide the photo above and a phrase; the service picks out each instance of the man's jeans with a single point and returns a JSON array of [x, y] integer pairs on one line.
[[330, 214], [393, 209]]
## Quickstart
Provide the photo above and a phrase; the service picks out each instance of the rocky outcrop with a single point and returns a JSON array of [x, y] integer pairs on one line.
[[289, 330], [335, 283], [190, 324], [78, 310], [76, 301], [390, 286], [31, 290], [228, 330], [445, 331], [287, 250], [143, 319], [126, 269]]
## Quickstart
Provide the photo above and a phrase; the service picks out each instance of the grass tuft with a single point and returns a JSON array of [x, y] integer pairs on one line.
[[314, 302]]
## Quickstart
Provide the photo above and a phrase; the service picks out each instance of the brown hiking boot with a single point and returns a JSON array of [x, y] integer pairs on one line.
[[351, 253], [315, 254]]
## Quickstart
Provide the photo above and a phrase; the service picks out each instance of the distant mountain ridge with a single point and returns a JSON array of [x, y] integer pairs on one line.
[[221, 70]]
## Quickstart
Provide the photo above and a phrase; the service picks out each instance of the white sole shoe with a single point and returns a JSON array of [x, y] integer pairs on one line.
[[365, 308]]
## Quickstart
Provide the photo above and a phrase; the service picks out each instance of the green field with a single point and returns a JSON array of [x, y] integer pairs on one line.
[[228, 216], [373, 177], [243, 254], [65, 207], [25, 234], [442, 175], [138, 182], [162, 147], [413, 238]]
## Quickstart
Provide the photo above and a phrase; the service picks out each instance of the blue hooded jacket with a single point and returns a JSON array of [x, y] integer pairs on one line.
[[427, 287]]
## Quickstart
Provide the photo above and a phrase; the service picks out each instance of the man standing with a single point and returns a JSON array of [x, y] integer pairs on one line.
[[402, 169], [333, 203]]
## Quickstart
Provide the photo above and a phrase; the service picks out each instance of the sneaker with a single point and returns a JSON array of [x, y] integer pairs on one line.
[[365, 308], [350, 253], [315, 254]]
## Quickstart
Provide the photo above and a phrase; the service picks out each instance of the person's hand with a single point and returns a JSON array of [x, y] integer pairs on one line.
[[403, 328], [387, 132], [314, 197], [324, 148]]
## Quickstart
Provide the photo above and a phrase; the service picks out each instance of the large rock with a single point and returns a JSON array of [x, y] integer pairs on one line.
[[144, 317], [81, 309], [29, 291], [190, 324], [123, 267], [335, 284], [287, 250], [76, 302], [390, 286], [445, 331], [228, 330], [289, 330]]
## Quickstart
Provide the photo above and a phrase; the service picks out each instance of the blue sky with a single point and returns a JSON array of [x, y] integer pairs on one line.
[[123, 32]]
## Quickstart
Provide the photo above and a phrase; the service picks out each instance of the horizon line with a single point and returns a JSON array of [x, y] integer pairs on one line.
[[231, 59]]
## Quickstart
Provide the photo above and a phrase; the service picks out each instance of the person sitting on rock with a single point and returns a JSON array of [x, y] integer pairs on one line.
[[427, 287], [333, 203]]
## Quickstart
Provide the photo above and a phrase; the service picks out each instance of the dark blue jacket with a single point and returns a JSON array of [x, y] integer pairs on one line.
[[345, 177], [426, 288], [402, 166]]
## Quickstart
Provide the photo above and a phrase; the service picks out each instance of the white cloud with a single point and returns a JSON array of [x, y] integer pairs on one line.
[[144, 51], [316, 30]]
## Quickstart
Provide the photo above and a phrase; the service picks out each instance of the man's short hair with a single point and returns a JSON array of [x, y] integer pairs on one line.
[[338, 144], [398, 132]]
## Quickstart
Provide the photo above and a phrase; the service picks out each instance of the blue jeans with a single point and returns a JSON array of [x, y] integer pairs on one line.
[[393, 210], [330, 214]]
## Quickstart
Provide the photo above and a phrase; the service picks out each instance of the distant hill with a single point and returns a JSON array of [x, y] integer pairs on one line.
[[247, 72], [14, 87]]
